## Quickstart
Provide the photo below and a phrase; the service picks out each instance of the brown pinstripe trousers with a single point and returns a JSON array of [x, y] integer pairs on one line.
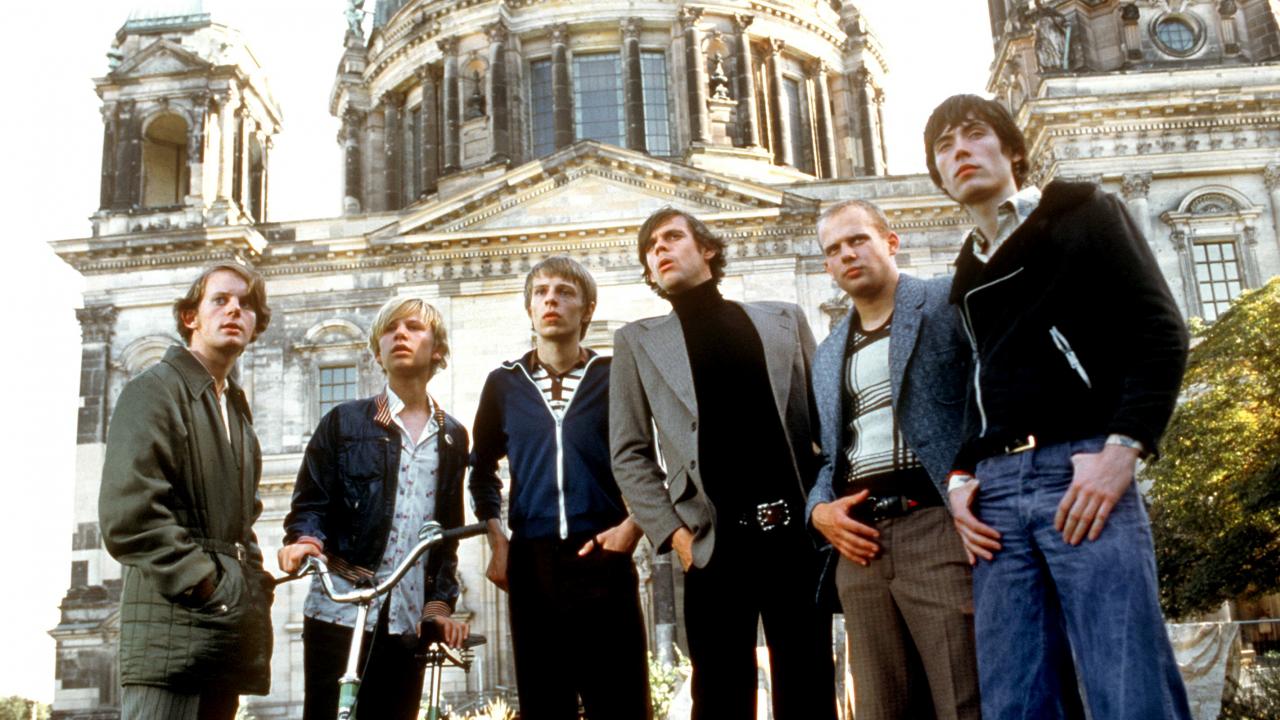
[[909, 620]]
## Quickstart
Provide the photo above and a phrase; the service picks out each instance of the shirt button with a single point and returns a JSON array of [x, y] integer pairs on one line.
[[693, 427], [693, 464]]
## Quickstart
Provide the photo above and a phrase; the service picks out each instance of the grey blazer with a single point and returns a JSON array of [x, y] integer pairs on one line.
[[651, 385], [929, 361]]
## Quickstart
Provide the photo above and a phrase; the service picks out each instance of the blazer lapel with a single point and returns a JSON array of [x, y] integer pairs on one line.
[[778, 337], [908, 305], [664, 344], [828, 376]]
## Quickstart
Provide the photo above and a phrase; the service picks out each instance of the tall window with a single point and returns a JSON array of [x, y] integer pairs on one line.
[[1217, 275], [337, 385], [801, 130], [543, 125], [657, 123], [597, 98]]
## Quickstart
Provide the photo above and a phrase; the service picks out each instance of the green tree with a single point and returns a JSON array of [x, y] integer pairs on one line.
[[1215, 495], [20, 708]]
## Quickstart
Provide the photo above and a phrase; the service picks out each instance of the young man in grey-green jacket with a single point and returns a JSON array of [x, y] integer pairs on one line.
[[177, 505]]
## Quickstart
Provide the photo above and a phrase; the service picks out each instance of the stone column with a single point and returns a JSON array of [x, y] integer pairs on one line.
[[882, 150], [561, 89], [633, 83], [866, 98], [430, 128], [826, 130], [375, 172], [240, 179], [226, 145], [695, 76], [106, 190], [196, 137], [1249, 253], [97, 325], [748, 112], [1271, 178], [783, 153], [1129, 15], [391, 150], [499, 110], [264, 180], [349, 138], [1134, 187], [128, 157], [1186, 265], [452, 128], [1227, 19]]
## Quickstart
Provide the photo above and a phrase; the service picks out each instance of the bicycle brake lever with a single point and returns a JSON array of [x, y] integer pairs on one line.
[[430, 528]]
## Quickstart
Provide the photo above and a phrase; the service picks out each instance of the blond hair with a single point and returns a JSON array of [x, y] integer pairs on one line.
[[398, 308]]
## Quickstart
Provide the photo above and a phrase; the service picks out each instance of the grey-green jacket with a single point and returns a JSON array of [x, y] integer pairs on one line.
[[178, 503]]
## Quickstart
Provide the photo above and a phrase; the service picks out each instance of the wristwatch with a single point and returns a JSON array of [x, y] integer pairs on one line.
[[1126, 441]]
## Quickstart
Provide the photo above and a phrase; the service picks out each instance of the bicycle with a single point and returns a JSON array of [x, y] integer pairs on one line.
[[429, 536]]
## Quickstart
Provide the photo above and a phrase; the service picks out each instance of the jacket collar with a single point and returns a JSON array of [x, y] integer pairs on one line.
[[198, 380], [526, 361], [1057, 197], [382, 410]]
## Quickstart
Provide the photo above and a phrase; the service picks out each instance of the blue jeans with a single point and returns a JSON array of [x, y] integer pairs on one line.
[[1041, 601]]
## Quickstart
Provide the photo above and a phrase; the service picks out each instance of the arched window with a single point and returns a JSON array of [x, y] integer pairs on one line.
[[165, 173], [1214, 233], [337, 361]]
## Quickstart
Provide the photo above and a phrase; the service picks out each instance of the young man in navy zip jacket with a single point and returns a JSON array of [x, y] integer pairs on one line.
[[1079, 350], [576, 624]]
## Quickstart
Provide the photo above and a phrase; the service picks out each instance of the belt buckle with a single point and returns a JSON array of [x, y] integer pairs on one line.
[[1029, 443], [772, 515]]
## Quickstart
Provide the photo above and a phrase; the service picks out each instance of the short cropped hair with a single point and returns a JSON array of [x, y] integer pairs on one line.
[[563, 266], [706, 240], [411, 306], [955, 110], [255, 299], [873, 211]]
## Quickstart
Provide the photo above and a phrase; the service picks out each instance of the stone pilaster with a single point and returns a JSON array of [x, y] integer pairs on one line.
[[882, 149], [452, 127], [826, 128], [264, 182], [106, 190], [748, 112], [1129, 15], [128, 156], [196, 137], [226, 145], [391, 148], [499, 109], [1134, 188], [695, 76], [561, 89], [97, 325], [865, 94], [783, 153], [430, 128], [375, 173], [633, 83], [1227, 22], [1271, 178], [349, 137]]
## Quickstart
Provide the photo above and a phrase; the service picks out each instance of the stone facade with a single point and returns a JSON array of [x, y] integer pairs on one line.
[[475, 146]]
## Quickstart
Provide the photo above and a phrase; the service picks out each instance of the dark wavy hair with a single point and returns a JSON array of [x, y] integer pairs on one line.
[[706, 240], [955, 110], [256, 299]]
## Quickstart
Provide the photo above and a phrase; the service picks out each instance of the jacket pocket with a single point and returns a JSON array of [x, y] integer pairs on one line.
[[681, 487], [1064, 347]]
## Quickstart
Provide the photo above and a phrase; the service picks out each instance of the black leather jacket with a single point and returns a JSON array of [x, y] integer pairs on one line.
[[345, 495]]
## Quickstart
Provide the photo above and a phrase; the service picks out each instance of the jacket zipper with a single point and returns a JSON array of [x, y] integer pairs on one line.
[[1064, 347], [973, 342], [564, 515]]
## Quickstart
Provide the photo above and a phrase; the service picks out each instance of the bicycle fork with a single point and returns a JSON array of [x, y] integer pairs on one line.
[[349, 683]]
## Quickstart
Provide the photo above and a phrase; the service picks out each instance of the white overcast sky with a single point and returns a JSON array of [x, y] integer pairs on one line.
[[51, 135]]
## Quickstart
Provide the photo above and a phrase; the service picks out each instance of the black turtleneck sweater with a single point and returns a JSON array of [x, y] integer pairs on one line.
[[744, 456]]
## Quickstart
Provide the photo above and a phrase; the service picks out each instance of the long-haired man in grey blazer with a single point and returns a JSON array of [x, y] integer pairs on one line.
[[890, 385], [726, 384]]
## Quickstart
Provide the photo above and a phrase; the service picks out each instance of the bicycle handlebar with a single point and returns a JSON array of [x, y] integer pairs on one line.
[[429, 536]]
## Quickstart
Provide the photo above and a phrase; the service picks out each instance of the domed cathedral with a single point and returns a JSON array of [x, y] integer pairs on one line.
[[1170, 104], [479, 137]]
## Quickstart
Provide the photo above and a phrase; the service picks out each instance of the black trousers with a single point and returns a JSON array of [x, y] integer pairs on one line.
[[577, 632], [754, 576], [390, 675]]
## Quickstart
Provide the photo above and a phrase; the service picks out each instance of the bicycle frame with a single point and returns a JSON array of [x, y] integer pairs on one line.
[[429, 536]]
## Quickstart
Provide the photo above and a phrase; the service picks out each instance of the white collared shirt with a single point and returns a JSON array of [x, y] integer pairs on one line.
[[1009, 217]]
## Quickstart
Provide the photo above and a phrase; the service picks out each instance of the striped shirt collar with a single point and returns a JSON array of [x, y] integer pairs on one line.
[[387, 405], [1009, 217], [535, 364]]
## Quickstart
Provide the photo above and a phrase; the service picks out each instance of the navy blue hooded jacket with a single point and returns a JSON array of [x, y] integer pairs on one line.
[[561, 473]]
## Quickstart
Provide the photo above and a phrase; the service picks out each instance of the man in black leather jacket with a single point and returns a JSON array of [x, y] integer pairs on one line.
[[374, 471]]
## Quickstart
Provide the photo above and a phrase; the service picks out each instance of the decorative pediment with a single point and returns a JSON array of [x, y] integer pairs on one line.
[[586, 184], [162, 58]]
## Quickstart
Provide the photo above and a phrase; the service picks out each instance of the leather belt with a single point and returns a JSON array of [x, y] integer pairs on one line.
[[222, 547]]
